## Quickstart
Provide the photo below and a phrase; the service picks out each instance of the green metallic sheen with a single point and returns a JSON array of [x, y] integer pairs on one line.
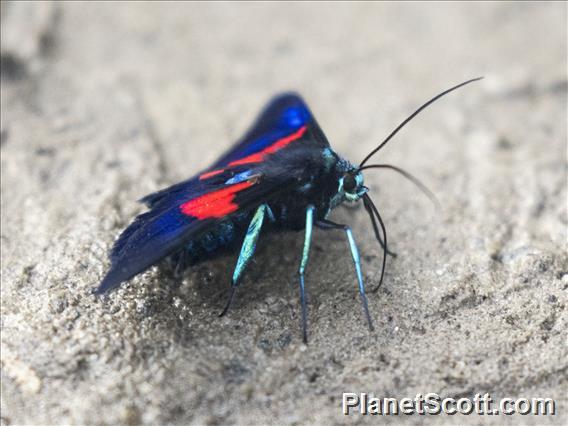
[[249, 244], [329, 159], [307, 238], [305, 253]]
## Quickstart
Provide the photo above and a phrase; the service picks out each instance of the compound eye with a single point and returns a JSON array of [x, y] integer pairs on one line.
[[349, 183]]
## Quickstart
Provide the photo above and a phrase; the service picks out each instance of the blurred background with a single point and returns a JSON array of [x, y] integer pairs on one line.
[[102, 103]]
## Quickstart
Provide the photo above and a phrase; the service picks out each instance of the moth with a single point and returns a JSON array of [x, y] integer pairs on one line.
[[281, 176]]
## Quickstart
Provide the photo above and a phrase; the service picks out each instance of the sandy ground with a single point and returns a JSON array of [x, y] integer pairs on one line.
[[103, 103]]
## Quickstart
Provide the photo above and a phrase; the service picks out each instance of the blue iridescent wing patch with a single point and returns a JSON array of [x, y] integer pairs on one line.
[[283, 116]]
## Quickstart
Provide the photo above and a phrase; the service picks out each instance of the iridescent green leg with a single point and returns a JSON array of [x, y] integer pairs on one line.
[[247, 250], [326, 224], [303, 263]]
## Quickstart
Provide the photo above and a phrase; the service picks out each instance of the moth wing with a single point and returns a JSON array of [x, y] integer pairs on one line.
[[180, 217], [239, 181], [285, 116], [282, 116]]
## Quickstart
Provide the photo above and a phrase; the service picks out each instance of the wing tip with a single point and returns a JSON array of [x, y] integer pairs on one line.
[[110, 282], [288, 96]]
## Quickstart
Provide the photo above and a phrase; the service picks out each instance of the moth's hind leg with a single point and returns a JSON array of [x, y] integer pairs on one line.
[[326, 224], [179, 262], [247, 251], [182, 262]]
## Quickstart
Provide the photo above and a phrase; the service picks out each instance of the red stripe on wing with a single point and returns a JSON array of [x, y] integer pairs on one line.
[[276, 146], [211, 174], [216, 204], [259, 156]]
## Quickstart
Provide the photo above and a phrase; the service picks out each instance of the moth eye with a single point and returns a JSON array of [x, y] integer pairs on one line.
[[349, 183]]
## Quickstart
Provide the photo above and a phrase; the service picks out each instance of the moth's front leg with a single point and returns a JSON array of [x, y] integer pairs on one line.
[[247, 251], [327, 224], [303, 263]]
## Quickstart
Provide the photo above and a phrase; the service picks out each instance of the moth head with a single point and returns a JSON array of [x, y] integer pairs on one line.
[[351, 185]]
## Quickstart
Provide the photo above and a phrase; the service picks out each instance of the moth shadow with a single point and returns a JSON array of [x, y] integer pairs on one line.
[[271, 273]]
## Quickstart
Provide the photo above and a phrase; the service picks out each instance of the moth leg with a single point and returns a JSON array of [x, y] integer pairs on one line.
[[303, 264], [270, 213], [326, 224], [181, 264], [247, 250]]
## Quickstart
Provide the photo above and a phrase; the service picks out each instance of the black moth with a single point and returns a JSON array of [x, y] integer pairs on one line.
[[282, 176]]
